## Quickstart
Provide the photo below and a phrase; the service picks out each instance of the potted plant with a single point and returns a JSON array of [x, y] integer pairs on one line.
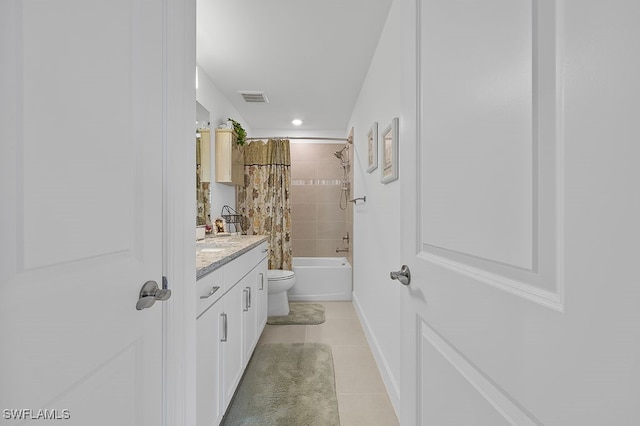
[[242, 134]]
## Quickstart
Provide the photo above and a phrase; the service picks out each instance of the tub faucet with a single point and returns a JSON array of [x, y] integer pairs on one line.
[[338, 250]]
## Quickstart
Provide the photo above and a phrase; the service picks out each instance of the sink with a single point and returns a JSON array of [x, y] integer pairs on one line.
[[211, 250]]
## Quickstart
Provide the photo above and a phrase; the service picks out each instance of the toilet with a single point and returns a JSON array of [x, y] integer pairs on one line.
[[279, 281]]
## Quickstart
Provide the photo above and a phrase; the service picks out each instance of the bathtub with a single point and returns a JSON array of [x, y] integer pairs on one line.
[[321, 278]]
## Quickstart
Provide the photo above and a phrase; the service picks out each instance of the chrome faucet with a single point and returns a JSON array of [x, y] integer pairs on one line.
[[338, 250], [346, 238]]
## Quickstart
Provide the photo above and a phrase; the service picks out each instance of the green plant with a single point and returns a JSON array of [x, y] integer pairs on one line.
[[242, 134]]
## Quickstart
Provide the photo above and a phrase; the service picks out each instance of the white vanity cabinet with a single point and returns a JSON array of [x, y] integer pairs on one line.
[[261, 294], [231, 342], [254, 305], [229, 323], [249, 317], [209, 359]]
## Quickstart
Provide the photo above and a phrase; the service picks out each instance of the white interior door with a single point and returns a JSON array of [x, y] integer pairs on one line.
[[80, 210], [520, 212]]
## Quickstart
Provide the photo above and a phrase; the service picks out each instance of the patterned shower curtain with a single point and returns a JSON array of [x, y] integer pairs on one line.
[[265, 201]]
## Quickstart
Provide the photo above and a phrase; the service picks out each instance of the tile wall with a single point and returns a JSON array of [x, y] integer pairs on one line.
[[319, 224]]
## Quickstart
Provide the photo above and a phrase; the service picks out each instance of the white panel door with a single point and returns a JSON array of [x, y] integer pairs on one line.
[[81, 210], [519, 148]]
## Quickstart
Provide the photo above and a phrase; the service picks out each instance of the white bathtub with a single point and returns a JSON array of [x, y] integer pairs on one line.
[[321, 278]]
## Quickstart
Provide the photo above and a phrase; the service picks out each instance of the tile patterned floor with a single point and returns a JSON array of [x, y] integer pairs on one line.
[[362, 397]]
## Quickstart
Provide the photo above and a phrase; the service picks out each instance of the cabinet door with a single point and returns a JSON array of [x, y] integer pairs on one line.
[[261, 295], [205, 155], [237, 167], [232, 348], [208, 364], [229, 159], [249, 316]]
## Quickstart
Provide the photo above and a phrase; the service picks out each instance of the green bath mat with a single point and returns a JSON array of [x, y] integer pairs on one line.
[[286, 384], [300, 313]]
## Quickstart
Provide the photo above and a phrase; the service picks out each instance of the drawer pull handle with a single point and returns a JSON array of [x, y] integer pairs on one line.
[[213, 290]]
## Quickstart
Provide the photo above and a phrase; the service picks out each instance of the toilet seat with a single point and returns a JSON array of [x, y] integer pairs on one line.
[[279, 275]]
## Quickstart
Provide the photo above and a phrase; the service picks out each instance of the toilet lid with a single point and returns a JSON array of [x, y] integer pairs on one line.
[[279, 274]]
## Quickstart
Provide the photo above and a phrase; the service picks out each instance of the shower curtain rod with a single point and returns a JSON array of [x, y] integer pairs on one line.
[[302, 137]]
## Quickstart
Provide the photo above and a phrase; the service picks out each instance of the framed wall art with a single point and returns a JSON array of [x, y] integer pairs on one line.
[[389, 171], [372, 148]]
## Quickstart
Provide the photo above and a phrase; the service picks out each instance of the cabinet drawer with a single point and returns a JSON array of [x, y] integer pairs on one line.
[[241, 266], [261, 252], [238, 268], [258, 253], [206, 292]]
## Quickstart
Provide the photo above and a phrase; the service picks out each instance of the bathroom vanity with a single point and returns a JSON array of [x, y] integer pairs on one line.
[[231, 314]]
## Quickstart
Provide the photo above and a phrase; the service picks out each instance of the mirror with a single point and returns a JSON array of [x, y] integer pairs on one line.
[[203, 168]]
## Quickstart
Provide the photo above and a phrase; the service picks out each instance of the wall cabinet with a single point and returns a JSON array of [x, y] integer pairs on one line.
[[231, 316], [229, 158]]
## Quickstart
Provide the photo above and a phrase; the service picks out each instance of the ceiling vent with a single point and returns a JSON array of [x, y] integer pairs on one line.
[[253, 96]]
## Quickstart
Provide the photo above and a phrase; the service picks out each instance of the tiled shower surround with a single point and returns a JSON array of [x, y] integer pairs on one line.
[[319, 224]]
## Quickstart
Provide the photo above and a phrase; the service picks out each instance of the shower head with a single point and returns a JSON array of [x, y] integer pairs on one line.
[[338, 154]]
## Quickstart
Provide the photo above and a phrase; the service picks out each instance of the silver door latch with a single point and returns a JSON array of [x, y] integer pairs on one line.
[[403, 275], [149, 293]]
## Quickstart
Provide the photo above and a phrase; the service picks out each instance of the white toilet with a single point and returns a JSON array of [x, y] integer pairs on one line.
[[279, 281]]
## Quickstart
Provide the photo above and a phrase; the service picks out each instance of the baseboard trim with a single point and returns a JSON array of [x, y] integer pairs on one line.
[[390, 383]]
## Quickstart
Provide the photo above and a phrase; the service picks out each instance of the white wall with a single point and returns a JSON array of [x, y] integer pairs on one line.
[[376, 223], [219, 107]]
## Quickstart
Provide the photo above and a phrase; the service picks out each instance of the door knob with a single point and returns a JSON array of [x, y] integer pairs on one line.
[[403, 275], [149, 293]]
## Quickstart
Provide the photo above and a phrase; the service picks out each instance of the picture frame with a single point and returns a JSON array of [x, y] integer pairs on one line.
[[220, 227], [372, 147], [389, 152]]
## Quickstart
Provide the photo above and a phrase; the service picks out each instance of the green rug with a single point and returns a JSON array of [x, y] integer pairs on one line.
[[286, 384], [300, 313]]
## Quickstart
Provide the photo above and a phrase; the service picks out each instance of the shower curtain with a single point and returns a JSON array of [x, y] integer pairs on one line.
[[265, 198]]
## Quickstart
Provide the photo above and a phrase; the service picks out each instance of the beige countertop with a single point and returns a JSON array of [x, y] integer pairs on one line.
[[213, 252]]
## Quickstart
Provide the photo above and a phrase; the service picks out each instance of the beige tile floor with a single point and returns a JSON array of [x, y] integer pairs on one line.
[[362, 397]]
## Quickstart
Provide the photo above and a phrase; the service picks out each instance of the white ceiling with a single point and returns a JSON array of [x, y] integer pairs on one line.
[[309, 57]]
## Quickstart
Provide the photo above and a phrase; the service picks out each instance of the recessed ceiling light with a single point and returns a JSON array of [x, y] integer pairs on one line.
[[296, 122]]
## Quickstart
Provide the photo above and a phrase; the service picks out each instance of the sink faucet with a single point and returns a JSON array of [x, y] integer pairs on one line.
[[338, 250]]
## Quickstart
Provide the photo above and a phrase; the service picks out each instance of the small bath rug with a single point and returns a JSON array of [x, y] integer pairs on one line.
[[300, 314], [286, 384]]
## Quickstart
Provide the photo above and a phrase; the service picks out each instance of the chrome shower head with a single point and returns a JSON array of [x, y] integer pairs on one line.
[[338, 154]]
